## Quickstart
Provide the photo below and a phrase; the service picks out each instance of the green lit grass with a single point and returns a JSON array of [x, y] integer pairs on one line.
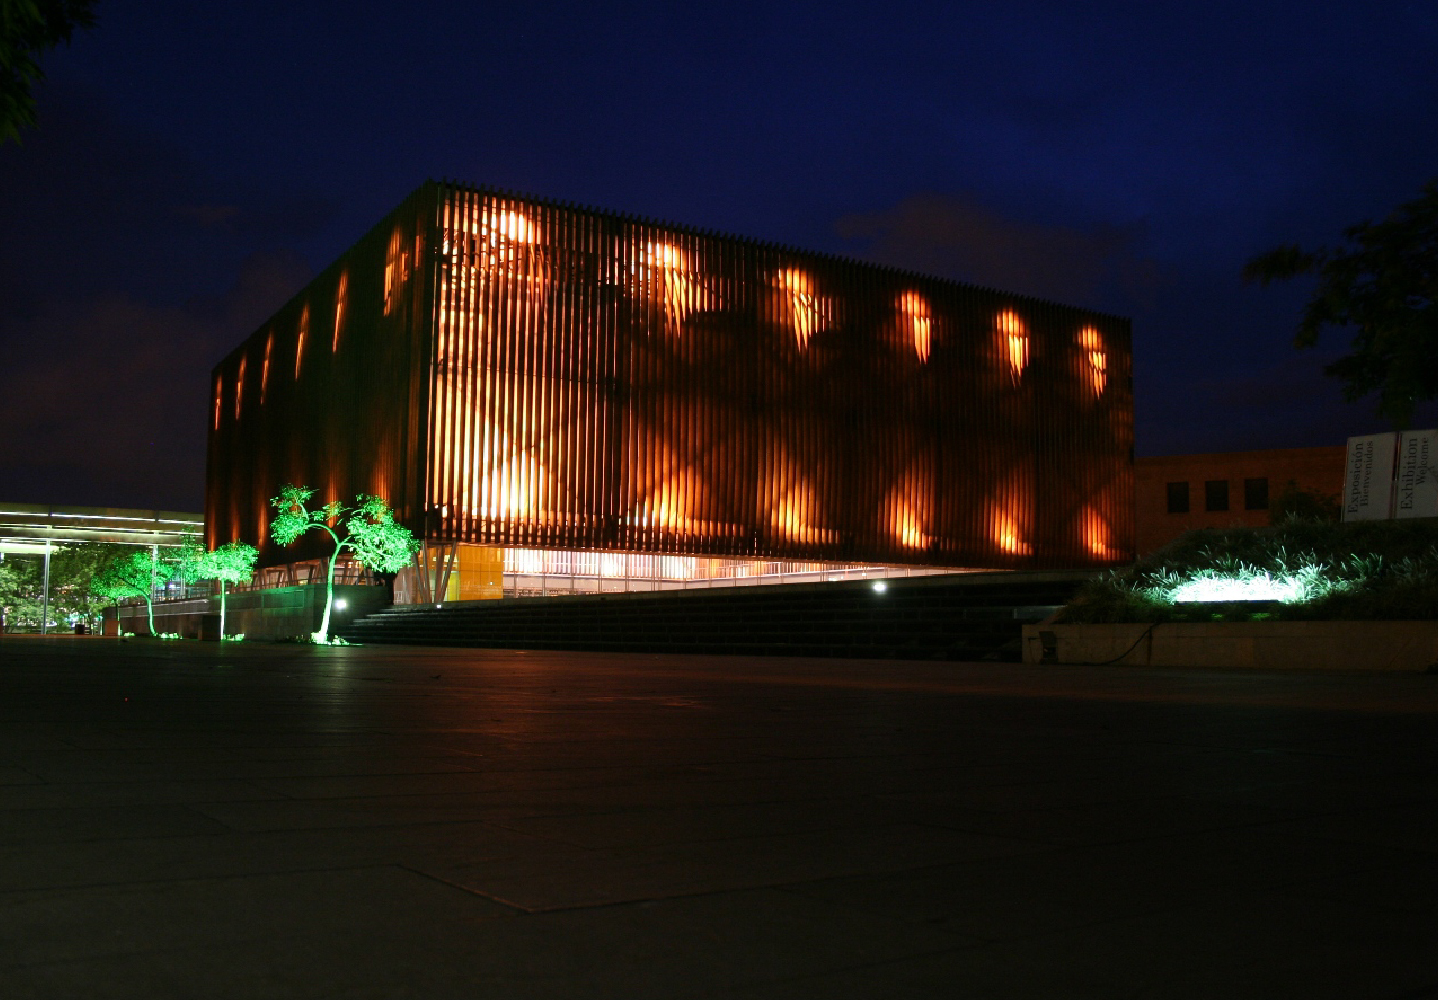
[[1311, 570]]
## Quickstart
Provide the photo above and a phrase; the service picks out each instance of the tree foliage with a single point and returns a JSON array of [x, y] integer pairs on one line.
[[183, 563], [72, 595], [376, 540], [1298, 504], [131, 575], [231, 563], [27, 29], [20, 593], [370, 533], [1383, 283]]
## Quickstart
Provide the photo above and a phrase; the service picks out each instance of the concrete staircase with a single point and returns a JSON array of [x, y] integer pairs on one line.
[[969, 616]]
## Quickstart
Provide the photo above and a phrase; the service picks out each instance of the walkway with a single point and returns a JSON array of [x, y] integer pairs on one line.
[[178, 819]]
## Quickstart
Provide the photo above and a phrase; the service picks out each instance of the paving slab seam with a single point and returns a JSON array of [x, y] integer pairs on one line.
[[81, 886], [471, 890]]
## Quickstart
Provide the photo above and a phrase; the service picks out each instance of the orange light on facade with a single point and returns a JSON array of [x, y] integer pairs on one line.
[[340, 294], [796, 515], [671, 505], [665, 275], [501, 237], [240, 384], [1091, 341], [920, 322], [545, 377], [511, 226], [396, 269], [1095, 534], [664, 257], [1013, 341], [808, 311], [300, 339], [905, 525], [510, 490], [1005, 533]]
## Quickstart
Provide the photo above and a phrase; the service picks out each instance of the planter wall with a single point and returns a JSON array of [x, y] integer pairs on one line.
[[277, 613], [1403, 645]]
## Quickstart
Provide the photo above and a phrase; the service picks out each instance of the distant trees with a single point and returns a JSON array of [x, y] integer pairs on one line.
[[19, 593], [1298, 504], [73, 597], [367, 529], [1384, 284], [182, 563], [27, 29], [131, 575], [72, 575]]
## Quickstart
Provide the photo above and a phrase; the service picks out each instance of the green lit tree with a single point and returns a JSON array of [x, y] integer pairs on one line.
[[1384, 285], [368, 530], [130, 575], [232, 563], [183, 563]]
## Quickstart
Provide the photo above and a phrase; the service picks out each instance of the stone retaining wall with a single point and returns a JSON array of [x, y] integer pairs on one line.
[[1404, 645]]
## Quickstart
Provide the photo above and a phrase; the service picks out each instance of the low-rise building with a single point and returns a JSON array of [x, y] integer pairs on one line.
[[1177, 493]]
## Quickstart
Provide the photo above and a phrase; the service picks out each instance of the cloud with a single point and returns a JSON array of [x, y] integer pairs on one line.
[[960, 239], [110, 393], [126, 272]]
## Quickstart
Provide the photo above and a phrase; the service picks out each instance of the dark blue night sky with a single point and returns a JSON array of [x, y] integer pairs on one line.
[[197, 162]]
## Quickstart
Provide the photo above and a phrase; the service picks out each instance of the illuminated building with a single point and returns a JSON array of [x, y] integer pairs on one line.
[[536, 376]]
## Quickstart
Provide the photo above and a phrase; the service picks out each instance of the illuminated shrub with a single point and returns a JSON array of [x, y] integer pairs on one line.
[[1312, 570]]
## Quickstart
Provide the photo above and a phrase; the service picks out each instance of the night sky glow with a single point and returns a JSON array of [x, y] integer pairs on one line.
[[196, 164]]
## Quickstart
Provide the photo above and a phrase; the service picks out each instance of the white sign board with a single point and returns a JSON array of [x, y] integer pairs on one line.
[[1368, 479], [1417, 480]]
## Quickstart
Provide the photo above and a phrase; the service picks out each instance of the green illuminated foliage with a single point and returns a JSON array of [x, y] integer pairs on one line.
[[1384, 285], [133, 574], [20, 593], [229, 564], [370, 533], [72, 598], [182, 563], [1300, 570], [375, 539], [232, 563]]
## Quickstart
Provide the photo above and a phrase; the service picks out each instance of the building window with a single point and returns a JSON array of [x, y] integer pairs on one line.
[[1178, 498], [1215, 494], [1255, 494]]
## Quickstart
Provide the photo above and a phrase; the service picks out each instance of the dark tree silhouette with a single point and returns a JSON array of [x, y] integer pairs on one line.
[[1384, 283], [27, 29]]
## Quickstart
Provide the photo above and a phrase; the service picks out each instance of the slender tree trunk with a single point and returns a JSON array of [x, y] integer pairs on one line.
[[150, 612], [324, 631], [222, 610]]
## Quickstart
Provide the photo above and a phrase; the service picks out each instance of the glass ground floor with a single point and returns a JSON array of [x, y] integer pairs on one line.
[[461, 572]]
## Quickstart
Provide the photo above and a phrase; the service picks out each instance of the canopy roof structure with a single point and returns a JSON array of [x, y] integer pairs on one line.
[[25, 528]]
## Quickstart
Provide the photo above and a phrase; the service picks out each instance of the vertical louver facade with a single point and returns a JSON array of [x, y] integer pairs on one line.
[[516, 372]]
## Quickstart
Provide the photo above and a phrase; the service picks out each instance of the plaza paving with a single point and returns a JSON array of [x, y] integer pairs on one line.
[[180, 819]]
